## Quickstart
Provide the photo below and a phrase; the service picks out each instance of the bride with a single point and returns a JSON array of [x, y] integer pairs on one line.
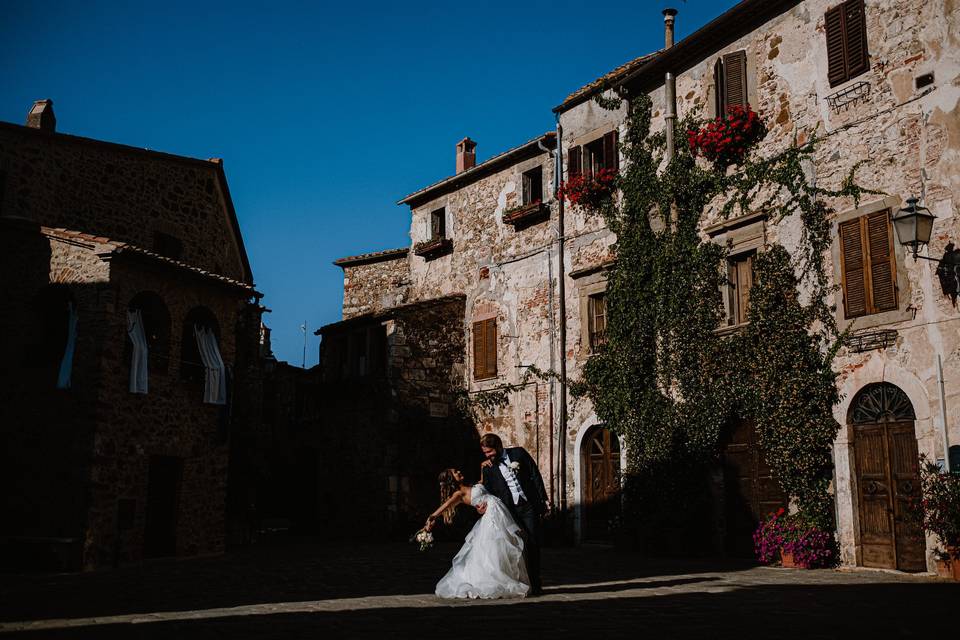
[[490, 564]]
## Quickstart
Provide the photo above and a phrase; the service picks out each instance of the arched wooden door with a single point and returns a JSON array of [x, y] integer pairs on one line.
[[750, 492], [601, 487], [887, 473]]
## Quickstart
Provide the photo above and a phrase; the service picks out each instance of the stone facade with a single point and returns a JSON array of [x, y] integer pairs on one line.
[[904, 134], [374, 282], [390, 419], [82, 458]]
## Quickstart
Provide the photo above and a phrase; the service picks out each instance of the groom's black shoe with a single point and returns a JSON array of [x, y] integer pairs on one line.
[[533, 593]]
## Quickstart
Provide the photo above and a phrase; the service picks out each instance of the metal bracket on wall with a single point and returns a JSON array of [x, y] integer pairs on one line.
[[873, 339], [858, 91]]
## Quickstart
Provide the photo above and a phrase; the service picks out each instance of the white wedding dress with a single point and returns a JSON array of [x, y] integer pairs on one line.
[[490, 563]]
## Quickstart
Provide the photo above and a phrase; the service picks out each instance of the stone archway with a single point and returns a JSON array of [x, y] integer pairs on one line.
[[886, 473]]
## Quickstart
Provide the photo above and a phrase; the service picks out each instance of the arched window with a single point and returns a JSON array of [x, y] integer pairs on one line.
[[156, 329], [881, 402], [191, 362], [51, 354]]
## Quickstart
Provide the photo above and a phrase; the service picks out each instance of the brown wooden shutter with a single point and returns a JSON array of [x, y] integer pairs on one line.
[[855, 38], [719, 96], [852, 256], [574, 166], [883, 267], [479, 351], [735, 79], [836, 53], [744, 283], [490, 342], [610, 151]]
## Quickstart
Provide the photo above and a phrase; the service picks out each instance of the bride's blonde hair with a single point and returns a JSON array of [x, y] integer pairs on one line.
[[448, 486]]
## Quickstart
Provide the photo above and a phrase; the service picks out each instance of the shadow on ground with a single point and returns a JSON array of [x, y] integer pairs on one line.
[[298, 572]]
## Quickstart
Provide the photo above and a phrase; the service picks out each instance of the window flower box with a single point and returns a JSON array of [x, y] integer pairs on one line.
[[526, 214], [591, 191], [434, 248], [727, 139]]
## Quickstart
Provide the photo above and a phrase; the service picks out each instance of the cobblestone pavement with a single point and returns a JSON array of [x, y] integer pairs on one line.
[[305, 590]]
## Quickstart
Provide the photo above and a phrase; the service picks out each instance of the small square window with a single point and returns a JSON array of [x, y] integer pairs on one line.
[[533, 186]]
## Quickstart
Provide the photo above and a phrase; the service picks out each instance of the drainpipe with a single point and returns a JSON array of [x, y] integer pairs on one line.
[[553, 338], [943, 415], [562, 304], [670, 85]]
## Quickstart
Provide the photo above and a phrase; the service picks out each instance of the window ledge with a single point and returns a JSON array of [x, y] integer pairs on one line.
[[735, 329], [435, 248], [527, 214]]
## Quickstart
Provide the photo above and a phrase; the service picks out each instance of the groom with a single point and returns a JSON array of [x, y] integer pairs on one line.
[[513, 476]]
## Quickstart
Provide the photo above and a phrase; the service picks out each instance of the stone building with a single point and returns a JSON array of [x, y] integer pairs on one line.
[[878, 82], [130, 324], [884, 95]]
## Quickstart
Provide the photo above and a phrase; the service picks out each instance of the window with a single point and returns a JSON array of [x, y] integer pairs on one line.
[[438, 224], [739, 283], [730, 80], [192, 368], [485, 349], [868, 265], [533, 186], [50, 355], [597, 318], [156, 330], [588, 159], [846, 30], [167, 245]]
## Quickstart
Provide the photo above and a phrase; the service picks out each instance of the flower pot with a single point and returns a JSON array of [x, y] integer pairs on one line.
[[787, 562]]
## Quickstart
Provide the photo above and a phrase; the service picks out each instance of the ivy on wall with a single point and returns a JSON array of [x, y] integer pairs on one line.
[[667, 380]]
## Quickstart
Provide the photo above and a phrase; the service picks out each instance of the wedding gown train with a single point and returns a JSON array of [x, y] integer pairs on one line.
[[490, 563]]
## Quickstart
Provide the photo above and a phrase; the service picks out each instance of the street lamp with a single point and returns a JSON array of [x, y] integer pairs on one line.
[[914, 225]]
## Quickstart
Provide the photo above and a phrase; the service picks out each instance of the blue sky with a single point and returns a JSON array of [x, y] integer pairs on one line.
[[325, 114]]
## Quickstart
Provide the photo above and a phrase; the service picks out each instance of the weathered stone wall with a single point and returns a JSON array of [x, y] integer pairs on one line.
[[908, 142], [66, 181], [508, 273], [372, 287], [78, 452]]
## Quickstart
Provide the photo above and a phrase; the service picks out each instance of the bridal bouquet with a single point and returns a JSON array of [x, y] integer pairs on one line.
[[424, 538]]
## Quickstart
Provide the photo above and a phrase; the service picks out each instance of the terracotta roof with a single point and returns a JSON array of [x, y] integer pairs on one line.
[[587, 91], [213, 164], [479, 170], [377, 256], [391, 312], [107, 249]]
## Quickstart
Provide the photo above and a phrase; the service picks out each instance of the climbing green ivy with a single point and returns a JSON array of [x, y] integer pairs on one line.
[[668, 381]]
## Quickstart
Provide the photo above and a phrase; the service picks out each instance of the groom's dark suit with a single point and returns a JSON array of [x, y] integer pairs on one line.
[[528, 512]]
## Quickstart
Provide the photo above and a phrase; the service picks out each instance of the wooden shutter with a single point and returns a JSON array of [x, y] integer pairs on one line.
[[744, 283], [836, 55], [855, 38], [485, 349], [479, 351], [490, 342], [718, 88], [852, 255], [883, 266], [735, 79], [611, 155], [574, 166]]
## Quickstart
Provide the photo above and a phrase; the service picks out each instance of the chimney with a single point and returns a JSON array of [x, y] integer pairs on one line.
[[466, 155], [668, 15], [41, 116]]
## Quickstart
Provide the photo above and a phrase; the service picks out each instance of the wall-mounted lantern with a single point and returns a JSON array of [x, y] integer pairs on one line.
[[914, 225]]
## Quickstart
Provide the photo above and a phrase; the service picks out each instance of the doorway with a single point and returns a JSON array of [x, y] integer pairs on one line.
[[163, 498], [601, 487]]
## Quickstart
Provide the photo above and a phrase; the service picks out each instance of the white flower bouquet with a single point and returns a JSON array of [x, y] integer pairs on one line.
[[515, 466], [424, 538]]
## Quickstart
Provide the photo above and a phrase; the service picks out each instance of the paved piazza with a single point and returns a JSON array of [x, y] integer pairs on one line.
[[306, 590]]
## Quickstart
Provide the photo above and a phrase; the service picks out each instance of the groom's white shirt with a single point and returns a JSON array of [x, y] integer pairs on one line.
[[512, 482]]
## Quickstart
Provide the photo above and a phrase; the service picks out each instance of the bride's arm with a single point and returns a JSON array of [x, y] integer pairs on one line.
[[451, 501]]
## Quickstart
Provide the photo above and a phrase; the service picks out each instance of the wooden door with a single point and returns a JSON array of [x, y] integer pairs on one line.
[[163, 497], [750, 490], [601, 494], [887, 480], [887, 474]]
